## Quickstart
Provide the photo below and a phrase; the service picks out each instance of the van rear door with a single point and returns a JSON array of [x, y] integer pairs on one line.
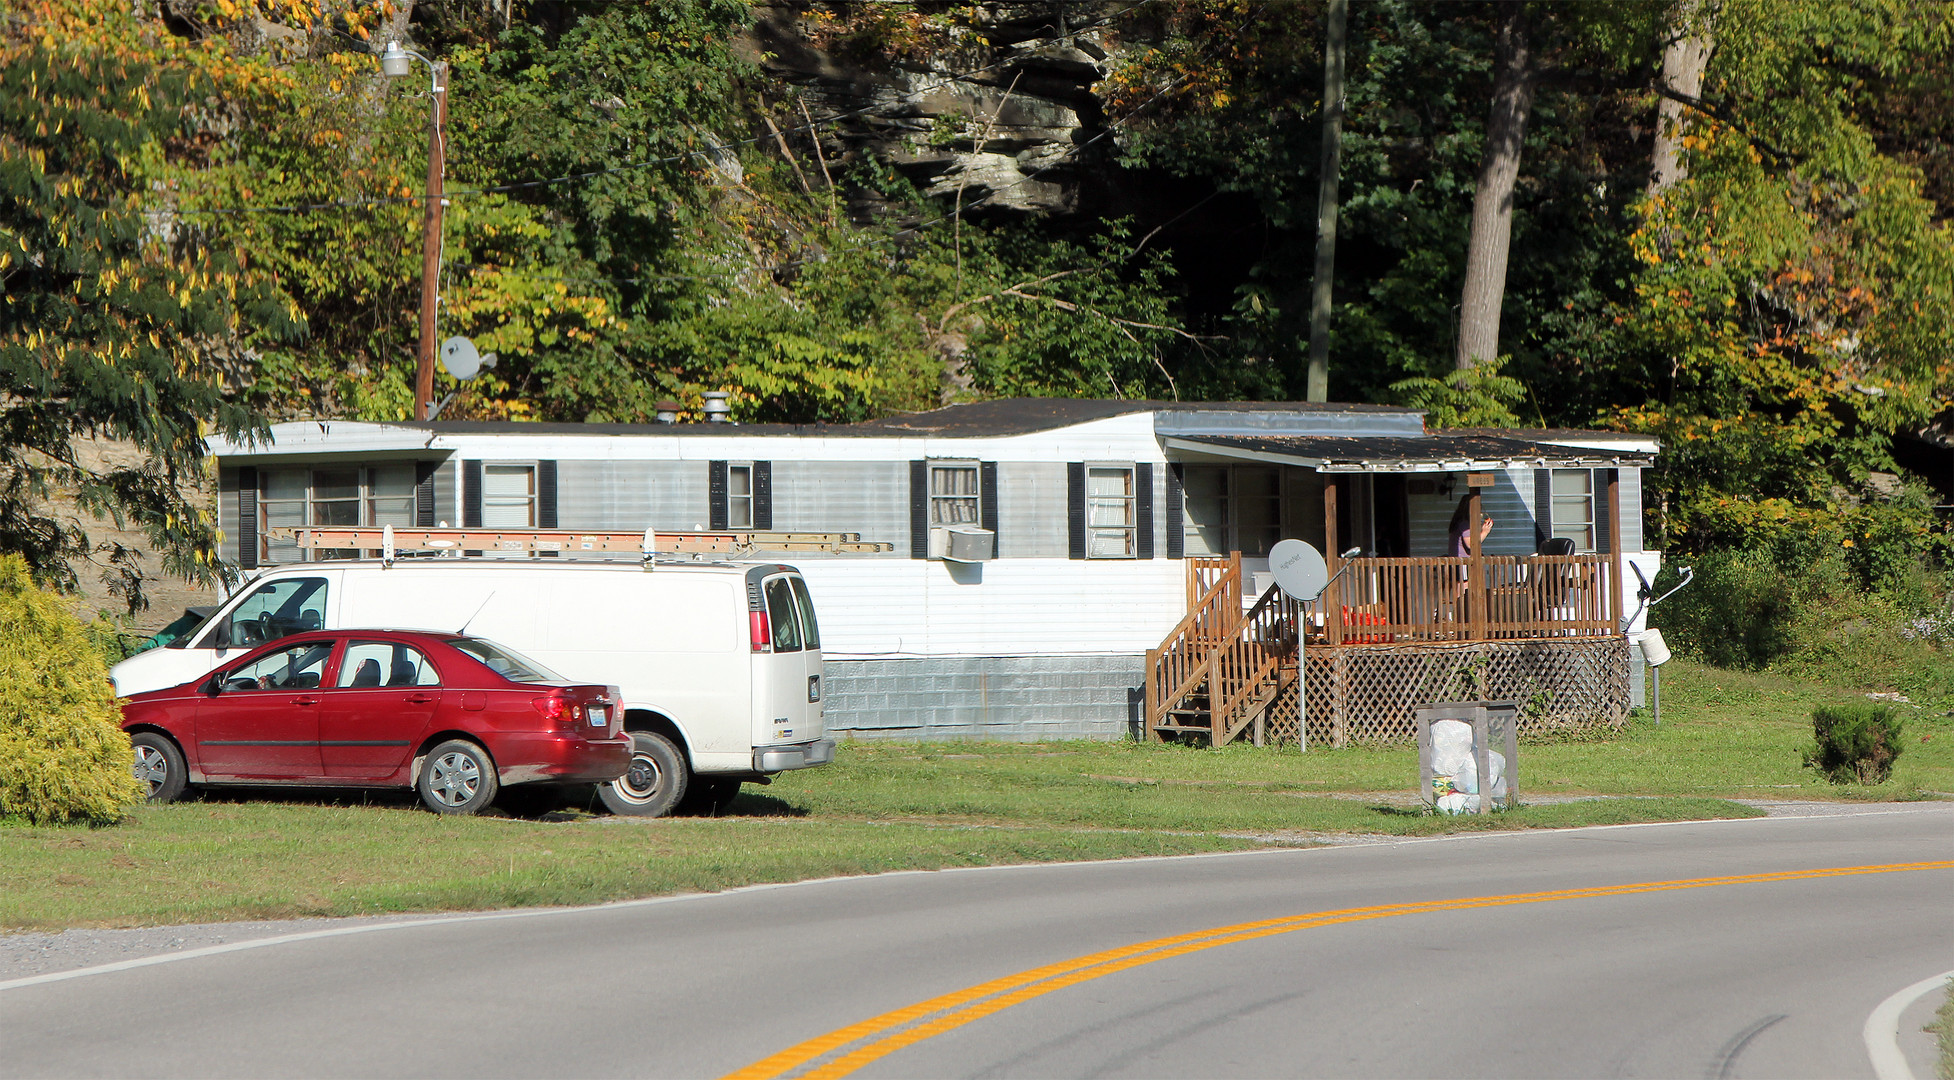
[[790, 670]]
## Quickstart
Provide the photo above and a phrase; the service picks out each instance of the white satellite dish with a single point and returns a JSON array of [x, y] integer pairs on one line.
[[459, 357], [1299, 569]]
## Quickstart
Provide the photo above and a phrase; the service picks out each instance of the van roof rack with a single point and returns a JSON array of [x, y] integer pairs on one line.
[[736, 543]]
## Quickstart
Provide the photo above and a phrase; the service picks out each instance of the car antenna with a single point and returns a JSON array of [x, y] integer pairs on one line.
[[478, 611]]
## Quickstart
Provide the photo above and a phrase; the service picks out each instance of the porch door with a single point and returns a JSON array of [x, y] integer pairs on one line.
[[1391, 507]]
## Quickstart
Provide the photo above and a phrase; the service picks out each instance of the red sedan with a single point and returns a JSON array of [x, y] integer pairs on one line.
[[456, 718]]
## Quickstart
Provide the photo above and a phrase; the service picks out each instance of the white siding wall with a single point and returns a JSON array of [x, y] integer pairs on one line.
[[1031, 502], [679, 500], [1012, 607], [867, 497], [607, 495]]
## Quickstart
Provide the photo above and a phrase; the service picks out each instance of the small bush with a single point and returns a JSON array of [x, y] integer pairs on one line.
[[63, 754], [1856, 743]]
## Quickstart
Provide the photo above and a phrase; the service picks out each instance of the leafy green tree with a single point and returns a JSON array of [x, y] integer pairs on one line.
[[118, 319]]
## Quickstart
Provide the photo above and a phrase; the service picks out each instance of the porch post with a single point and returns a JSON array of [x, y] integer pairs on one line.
[[1331, 605], [1476, 569], [1614, 512]]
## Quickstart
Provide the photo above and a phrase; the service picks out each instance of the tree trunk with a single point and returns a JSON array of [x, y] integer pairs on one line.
[[1492, 199], [1318, 377], [1684, 57]]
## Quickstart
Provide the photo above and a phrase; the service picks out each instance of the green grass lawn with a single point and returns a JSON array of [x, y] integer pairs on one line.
[[886, 806]]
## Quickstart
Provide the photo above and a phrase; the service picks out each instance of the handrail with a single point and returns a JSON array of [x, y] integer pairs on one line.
[[1174, 670], [1379, 602], [1265, 638]]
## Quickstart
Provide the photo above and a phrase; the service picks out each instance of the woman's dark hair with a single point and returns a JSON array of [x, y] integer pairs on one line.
[[1460, 515]]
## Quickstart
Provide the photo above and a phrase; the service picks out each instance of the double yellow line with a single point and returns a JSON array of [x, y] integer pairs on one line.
[[842, 1052]]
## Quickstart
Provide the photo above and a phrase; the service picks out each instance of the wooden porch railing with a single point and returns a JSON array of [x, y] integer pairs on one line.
[[1216, 672], [1491, 598]]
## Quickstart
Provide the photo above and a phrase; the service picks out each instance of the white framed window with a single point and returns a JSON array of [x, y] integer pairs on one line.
[[1573, 507], [347, 495], [1232, 508], [508, 496], [954, 493], [739, 496], [1111, 522]]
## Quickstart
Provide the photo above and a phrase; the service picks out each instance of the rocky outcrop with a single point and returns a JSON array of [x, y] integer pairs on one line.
[[1000, 109]]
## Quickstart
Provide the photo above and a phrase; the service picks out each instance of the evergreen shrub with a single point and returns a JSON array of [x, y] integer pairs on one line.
[[63, 753], [1856, 743]]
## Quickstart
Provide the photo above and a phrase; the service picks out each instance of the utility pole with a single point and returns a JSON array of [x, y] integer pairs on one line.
[[431, 242], [1326, 202]]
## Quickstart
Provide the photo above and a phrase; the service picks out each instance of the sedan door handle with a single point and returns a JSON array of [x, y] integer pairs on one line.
[[305, 701], [421, 699]]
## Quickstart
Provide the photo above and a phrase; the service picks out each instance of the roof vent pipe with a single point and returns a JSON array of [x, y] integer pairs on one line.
[[667, 412], [716, 407]]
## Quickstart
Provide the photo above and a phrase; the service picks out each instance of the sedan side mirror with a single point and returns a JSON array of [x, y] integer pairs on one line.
[[215, 685]]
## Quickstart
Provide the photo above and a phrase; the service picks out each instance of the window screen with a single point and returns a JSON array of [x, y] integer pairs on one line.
[[508, 496], [1574, 507], [953, 494], [1109, 512]]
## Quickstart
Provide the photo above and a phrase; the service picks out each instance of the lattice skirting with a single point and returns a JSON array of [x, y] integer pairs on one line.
[[1366, 693]]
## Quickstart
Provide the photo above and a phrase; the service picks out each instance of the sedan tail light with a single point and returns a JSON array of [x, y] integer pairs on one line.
[[556, 708]]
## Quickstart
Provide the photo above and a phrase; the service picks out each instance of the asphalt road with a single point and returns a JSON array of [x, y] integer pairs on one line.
[[1532, 954]]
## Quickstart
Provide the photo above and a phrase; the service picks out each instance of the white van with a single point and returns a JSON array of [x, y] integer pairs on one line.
[[720, 664]]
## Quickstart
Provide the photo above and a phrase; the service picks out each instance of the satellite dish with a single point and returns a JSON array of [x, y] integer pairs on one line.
[[459, 357], [1299, 569]]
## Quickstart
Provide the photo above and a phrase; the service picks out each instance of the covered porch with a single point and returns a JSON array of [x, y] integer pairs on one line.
[[1393, 631]]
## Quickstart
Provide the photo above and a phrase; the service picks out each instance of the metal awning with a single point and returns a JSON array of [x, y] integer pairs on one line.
[[1436, 453]]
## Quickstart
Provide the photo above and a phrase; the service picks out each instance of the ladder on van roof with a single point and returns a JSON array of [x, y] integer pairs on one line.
[[735, 543]]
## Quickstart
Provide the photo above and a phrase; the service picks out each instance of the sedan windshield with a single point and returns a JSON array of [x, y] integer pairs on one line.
[[512, 666]]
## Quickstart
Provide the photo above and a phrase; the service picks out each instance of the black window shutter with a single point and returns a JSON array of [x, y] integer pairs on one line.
[[1143, 510], [424, 494], [1543, 506], [763, 495], [987, 500], [919, 509], [546, 494], [471, 495], [716, 496], [247, 518], [1598, 481], [1176, 528], [1075, 509]]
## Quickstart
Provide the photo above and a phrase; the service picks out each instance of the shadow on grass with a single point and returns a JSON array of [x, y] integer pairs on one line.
[[755, 805]]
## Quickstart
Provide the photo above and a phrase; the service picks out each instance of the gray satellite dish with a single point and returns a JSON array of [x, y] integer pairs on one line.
[[459, 357], [1299, 569]]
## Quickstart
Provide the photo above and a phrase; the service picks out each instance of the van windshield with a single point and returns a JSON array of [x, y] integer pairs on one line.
[[512, 666]]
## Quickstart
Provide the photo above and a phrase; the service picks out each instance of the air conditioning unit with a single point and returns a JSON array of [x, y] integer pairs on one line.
[[962, 543]]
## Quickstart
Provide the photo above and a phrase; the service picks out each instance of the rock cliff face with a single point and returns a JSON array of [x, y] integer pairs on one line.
[[1000, 107]]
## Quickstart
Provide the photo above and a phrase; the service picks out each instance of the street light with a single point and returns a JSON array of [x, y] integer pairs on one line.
[[397, 63]]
